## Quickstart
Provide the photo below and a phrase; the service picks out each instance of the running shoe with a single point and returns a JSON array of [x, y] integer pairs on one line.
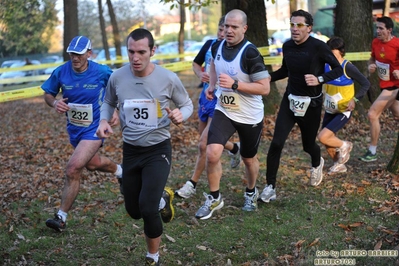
[[316, 174], [210, 205], [345, 152], [368, 157], [250, 203], [235, 158], [186, 191], [151, 262], [337, 168], [168, 212], [268, 194], [56, 223]]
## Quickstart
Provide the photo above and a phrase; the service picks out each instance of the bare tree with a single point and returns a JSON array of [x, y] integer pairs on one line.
[[115, 31], [102, 28], [71, 25], [182, 23], [293, 5], [354, 23], [387, 6]]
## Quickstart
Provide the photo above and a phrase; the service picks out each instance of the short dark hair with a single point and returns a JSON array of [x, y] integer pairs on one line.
[[221, 21], [337, 43], [139, 34], [387, 21], [302, 13]]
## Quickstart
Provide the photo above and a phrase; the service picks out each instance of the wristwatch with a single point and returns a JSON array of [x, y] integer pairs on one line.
[[234, 87], [320, 79]]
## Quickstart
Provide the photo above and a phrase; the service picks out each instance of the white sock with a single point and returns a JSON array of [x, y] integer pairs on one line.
[[162, 204], [373, 149], [155, 256], [63, 215], [119, 170]]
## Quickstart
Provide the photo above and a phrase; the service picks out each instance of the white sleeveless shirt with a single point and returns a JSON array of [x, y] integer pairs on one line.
[[238, 106]]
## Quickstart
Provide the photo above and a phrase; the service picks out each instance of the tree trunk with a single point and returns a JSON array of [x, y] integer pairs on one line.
[[71, 28], [115, 31], [181, 31], [387, 6], [257, 34], [393, 165], [354, 23], [102, 28], [293, 5]]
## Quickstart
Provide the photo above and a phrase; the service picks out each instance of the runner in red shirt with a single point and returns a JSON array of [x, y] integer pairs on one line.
[[384, 59]]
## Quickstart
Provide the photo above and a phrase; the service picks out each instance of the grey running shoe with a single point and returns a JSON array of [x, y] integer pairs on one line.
[[235, 158], [168, 212], [368, 157], [151, 262], [186, 191], [210, 205], [251, 199], [268, 194], [337, 168], [316, 174], [56, 223], [345, 152]]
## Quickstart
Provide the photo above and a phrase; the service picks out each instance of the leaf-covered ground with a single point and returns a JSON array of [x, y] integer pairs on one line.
[[34, 149]]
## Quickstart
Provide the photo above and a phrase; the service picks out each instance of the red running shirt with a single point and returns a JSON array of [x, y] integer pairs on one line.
[[386, 55]]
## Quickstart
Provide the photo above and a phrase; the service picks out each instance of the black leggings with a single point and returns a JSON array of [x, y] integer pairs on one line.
[[309, 126], [145, 172]]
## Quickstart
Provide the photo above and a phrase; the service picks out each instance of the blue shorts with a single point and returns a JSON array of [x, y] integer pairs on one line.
[[335, 122], [76, 136], [206, 108]]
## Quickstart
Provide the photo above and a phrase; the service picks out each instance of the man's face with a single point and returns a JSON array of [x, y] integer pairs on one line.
[[79, 61], [383, 33], [234, 29], [139, 56], [299, 29]]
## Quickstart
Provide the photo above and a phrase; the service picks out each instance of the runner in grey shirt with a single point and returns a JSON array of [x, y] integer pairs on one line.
[[159, 88], [146, 94]]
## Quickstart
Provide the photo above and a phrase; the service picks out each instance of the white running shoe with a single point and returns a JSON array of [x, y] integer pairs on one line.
[[337, 168], [268, 194], [250, 203], [211, 204], [316, 174], [186, 191], [345, 152]]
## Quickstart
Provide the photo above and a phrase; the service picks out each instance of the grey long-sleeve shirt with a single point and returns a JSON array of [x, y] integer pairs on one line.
[[142, 102]]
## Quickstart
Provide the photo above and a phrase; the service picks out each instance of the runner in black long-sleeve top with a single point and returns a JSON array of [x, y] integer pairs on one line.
[[304, 58]]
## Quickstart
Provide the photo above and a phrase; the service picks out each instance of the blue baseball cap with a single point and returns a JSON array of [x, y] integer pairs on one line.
[[79, 45]]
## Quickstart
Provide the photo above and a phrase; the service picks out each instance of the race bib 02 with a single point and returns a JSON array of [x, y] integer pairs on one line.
[[229, 100]]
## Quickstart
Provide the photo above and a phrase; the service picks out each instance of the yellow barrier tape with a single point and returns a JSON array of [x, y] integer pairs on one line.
[[178, 66], [37, 91], [360, 56], [24, 79], [25, 68], [175, 67], [13, 95]]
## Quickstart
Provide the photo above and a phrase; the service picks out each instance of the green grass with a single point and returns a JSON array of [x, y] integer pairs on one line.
[[101, 233]]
